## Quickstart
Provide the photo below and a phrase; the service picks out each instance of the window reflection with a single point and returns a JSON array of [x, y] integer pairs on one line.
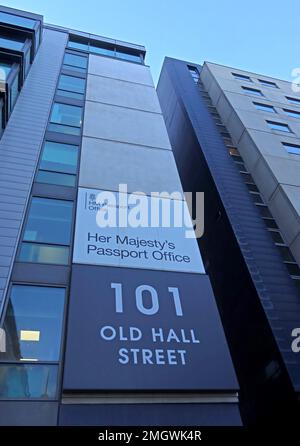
[[33, 323], [28, 381], [49, 221]]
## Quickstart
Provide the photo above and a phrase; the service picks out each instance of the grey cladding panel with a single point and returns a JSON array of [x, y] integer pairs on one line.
[[21, 143]]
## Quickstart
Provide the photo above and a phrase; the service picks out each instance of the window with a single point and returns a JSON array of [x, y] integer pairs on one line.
[[33, 323], [58, 164], [17, 20], [279, 126], [65, 119], [21, 381], [292, 113], [4, 70], [59, 157], [75, 63], [293, 100], [77, 44], [62, 179], [252, 91], [264, 107], [37, 253], [241, 77], [48, 223], [291, 148], [127, 56], [71, 86], [267, 83], [103, 50], [14, 91], [277, 238], [11, 44], [194, 73]]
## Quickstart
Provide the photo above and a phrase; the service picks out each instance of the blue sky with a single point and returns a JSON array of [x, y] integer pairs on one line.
[[259, 36]]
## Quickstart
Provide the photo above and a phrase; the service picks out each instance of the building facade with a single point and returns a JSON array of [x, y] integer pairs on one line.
[[236, 136], [100, 325]]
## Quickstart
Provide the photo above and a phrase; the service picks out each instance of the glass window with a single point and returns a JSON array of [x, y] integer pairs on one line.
[[11, 44], [278, 126], [59, 157], [62, 179], [4, 70], [264, 107], [128, 56], [74, 62], [74, 43], [292, 113], [71, 86], [33, 323], [66, 118], [292, 148], [14, 91], [17, 20], [27, 61], [242, 77], [37, 253], [252, 91], [102, 50], [293, 100], [28, 381], [49, 221], [267, 83]]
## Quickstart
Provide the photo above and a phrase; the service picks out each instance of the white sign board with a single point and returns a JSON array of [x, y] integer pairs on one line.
[[159, 248]]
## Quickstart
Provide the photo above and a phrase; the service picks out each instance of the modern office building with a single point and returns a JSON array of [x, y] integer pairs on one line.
[[100, 325], [236, 136]]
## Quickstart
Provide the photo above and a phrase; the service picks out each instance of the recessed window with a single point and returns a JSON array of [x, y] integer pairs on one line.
[[11, 44], [4, 70], [71, 87], [59, 157], [103, 50], [48, 227], [292, 113], [294, 149], [78, 44], [293, 100], [194, 73], [65, 119], [127, 56], [14, 91], [33, 323], [58, 164], [22, 381], [264, 107], [17, 20], [38, 253], [49, 221], [279, 126], [242, 77], [75, 62], [267, 83], [252, 91]]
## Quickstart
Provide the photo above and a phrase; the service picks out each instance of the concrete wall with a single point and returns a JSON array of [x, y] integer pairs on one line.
[[275, 171], [124, 135]]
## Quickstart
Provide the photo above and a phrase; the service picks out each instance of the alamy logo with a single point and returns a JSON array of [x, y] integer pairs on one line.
[[296, 342], [156, 210]]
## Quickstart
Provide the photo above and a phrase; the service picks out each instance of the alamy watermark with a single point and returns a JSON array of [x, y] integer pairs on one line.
[[156, 210]]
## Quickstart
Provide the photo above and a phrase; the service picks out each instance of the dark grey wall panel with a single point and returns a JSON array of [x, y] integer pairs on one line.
[[149, 415], [28, 413], [21, 143]]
